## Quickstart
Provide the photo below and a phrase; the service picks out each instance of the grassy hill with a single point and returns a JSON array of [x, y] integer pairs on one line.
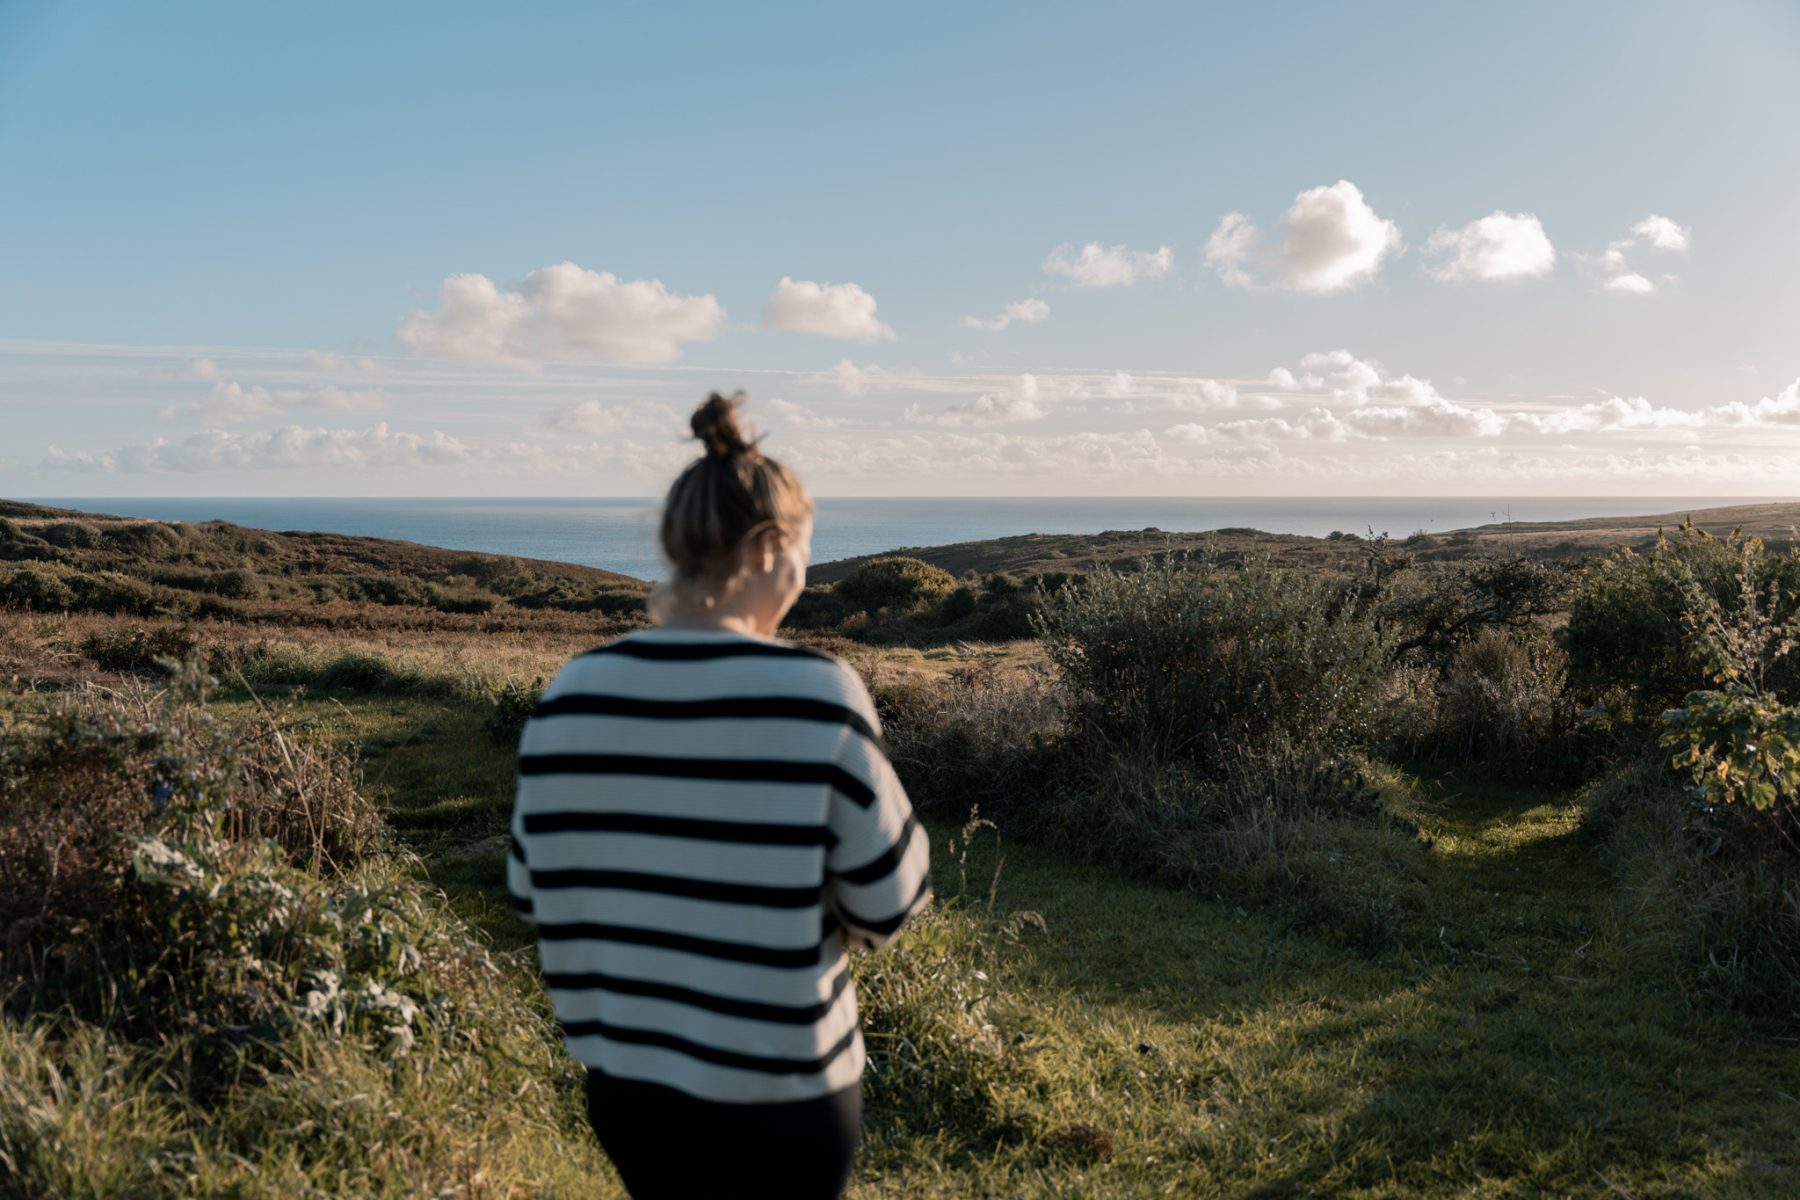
[[1035, 553]]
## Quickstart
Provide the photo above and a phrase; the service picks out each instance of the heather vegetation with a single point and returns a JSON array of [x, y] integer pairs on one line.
[[1387, 871]]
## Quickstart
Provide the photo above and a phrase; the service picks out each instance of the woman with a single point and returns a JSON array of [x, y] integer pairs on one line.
[[705, 818]]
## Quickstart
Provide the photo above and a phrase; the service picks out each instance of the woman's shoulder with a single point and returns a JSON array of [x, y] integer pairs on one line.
[[692, 651]]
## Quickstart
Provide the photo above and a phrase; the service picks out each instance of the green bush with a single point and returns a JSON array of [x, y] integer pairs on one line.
[[381, 589], [145, 538], [255, 1022], [1502, 700], [111, 592], [1187, 655], [1626, 634], [72, 535], [36, 590], [898, 584], [976, 737], [510, 708]]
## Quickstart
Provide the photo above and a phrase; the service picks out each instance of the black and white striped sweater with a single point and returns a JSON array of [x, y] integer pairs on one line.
[[703, 820]]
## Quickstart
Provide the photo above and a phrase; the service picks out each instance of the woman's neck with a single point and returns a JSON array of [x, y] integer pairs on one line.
[[718, 622]]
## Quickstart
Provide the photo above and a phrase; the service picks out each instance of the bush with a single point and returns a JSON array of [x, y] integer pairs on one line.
[[1502, 700], [462, 600], [1448, 605], [144, 538], [365, 673], [898, 584], [137, 647], [210, 1014], [1186, 657], [83, 778], [511, 707], [72, 535], [495, 573], [1626, 633], [111, 592], [976, 737], [380, 589], [36, 590], [1714, 903]]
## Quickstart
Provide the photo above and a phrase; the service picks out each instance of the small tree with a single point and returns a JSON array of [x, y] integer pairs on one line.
[[1738, 741]]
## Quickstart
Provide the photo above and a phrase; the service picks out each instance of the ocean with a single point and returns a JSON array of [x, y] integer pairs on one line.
[[620, 534]]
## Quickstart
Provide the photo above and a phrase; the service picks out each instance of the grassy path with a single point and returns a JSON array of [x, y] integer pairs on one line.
[[1509, 1041]]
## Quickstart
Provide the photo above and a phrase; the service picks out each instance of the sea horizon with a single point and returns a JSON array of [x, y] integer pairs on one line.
[[618, 533]]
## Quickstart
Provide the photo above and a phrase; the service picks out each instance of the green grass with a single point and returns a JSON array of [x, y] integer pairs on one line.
[[1509, 1040]]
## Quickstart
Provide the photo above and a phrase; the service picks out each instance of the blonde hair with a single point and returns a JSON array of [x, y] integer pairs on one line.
[[723, 498]]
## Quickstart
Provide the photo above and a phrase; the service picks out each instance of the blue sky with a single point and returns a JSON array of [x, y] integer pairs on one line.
[[217, 223]]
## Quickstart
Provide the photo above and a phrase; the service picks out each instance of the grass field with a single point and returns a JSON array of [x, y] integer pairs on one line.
[[1513, 1040]]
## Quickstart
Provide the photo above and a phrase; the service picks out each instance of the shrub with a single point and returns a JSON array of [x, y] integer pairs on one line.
[[72, 535], [82, 778], [137, 647], [976, 737], [462, 600], [111, 592], [898, 584], [356, 672], [144, 537], [1738, 741], [496, 573], [1502, 700], [1185, 657], [510, 708], [1451, 604], [1626, 631], [381, 589], [36, 590]]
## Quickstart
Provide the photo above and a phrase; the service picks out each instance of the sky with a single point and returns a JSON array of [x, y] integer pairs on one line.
[[945, 249]]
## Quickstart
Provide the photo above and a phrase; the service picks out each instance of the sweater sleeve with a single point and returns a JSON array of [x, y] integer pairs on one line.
[[878, 868]]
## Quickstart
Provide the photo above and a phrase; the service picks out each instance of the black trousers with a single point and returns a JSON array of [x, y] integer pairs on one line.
[[666, 1143]]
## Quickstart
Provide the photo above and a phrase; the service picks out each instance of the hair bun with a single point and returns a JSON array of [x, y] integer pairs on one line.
[[715, 423]]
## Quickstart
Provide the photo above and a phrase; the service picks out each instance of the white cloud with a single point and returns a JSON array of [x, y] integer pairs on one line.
[[838, 310], [1661, 233], [1019, 310], [231, 403], [1331, 240], [326, 360], [564, 311], [200, 368], [853, 380], [1630, 282], [1500, 245], [1780, 409], [1021, 401], [1233, 248], [292, 448], [801, 417], [1204, 394], [1652, 233], [588, 416], [1614, 412], [1109, 266]]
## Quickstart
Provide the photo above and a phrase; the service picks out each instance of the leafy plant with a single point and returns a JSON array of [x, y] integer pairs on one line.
[[1189, 654]]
